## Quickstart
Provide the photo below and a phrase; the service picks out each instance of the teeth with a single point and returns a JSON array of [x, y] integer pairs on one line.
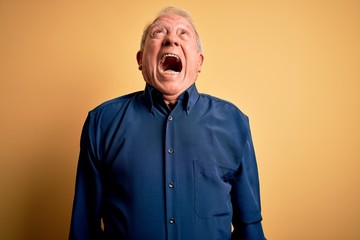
[[171, 66], [169, 55]]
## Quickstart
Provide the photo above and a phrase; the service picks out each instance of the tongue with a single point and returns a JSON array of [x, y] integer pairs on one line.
[[171, 64]]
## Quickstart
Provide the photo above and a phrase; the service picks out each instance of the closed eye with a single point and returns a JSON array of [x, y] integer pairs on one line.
[[184, 34], [157, 31]]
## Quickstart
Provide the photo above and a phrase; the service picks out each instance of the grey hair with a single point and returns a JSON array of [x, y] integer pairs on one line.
[[174, 11]]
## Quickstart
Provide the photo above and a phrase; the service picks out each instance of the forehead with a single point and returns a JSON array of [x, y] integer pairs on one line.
[[172, 20]]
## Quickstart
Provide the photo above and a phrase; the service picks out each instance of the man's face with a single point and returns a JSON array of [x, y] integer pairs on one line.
[[170, 60]]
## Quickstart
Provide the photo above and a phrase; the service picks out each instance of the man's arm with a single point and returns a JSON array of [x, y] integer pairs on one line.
[[252, 231], [245, 195], [86, 218]]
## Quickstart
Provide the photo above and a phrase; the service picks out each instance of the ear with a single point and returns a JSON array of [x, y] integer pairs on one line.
[[201, 60], [139, 56]]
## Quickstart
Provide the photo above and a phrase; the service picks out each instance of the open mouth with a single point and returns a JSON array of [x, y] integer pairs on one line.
[[171, 63]]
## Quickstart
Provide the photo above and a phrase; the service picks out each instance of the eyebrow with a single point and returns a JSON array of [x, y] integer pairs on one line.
[[159, 23]]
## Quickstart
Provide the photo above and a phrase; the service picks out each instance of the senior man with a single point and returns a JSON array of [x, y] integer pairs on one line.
[[167, 162]]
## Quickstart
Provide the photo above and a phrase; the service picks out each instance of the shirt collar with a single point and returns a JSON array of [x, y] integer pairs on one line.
[[187, 99]]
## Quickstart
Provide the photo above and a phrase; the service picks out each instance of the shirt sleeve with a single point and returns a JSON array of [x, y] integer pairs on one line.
[[245, 195], [86, 214]]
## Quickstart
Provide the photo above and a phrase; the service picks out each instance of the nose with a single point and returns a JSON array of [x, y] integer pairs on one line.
[[171, 40]]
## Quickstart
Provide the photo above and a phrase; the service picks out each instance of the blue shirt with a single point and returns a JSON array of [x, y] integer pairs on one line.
[[146, 172]]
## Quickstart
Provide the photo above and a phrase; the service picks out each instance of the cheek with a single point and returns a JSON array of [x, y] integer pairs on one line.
[[151, 57], [148, 61], [193, 55], [195, 62]]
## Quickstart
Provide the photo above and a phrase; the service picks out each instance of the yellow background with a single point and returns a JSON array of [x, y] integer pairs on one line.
[[292, 66]]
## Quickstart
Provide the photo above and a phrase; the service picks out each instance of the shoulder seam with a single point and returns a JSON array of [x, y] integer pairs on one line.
[[113, 101]]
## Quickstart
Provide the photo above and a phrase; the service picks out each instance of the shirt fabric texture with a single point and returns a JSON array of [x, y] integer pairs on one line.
[[151, 173]]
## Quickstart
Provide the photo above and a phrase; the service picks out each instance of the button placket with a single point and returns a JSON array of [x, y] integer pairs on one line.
[[170, 166]]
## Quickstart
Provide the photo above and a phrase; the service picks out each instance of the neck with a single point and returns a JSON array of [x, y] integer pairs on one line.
[[170, 102], [171, 99], [171, 105]]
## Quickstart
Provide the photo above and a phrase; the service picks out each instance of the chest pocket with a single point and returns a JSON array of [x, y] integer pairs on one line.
[[212, 192]]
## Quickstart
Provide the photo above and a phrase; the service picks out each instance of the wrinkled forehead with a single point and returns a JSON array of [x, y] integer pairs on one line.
[[173, 20]]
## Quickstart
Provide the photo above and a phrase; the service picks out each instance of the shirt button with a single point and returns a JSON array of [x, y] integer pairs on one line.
[[171, 184], [172, 220], [170, 118], [170, 150]]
